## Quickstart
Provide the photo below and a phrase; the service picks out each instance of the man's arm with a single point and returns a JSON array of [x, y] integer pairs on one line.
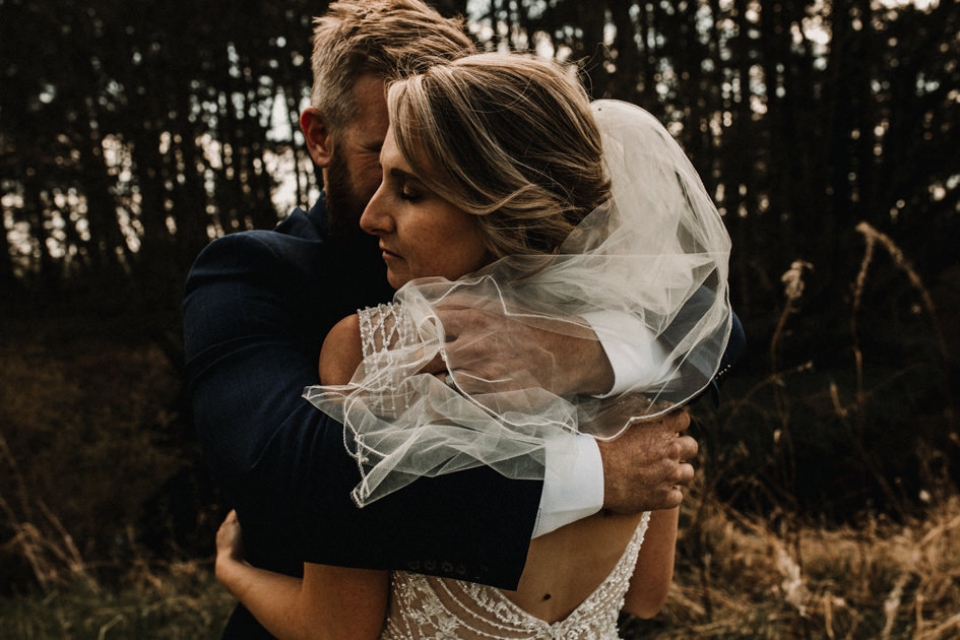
[[643, 469], [605, 353], [256, 310], [486, 346], [252, 347]]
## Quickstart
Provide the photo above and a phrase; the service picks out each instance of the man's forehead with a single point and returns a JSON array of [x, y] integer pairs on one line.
[[369, 121], [370, 99]]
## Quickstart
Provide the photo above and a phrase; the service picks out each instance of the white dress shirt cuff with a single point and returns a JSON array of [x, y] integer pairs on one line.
[[632, 349], [570, 494]]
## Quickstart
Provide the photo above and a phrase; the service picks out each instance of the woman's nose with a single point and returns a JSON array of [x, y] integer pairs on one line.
[[375, 219]]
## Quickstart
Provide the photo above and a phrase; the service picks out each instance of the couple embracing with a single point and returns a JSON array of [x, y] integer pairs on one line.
[[497, 449]]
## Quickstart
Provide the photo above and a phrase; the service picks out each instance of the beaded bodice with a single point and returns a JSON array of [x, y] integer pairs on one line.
[[427, 607]]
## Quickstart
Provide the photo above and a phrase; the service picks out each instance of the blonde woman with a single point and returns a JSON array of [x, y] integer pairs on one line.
[[502, 183]]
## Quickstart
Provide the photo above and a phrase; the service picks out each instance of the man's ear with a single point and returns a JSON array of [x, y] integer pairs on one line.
[[317, 134]]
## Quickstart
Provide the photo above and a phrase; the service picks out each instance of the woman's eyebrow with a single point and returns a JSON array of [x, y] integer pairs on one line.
[[404, 175]]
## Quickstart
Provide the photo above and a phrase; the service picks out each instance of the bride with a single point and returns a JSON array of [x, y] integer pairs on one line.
[[502, 183]]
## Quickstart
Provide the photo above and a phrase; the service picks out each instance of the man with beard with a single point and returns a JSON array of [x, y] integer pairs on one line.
[[258, 305]]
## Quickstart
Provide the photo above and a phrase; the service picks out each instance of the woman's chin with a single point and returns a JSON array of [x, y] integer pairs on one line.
[[397, 280]]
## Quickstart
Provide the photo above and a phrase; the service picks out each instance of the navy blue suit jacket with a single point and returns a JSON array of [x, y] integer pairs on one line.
[[257, 307]]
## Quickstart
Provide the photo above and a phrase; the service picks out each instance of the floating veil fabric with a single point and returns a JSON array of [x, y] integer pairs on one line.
[[653, 257]]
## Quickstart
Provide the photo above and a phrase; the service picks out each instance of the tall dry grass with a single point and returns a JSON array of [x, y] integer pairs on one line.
[[176, 601], [783, 575], [739, 576], [748, 579]]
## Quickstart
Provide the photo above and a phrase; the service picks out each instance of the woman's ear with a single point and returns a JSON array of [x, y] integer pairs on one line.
[[317, 134]]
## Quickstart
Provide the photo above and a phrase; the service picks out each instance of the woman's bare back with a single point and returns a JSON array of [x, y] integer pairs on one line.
[[565, 566], [573, 585]]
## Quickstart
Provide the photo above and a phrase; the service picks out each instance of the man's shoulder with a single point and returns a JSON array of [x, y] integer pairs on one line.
[[296, 243], [296, 229], [288, 254], [256, 241]]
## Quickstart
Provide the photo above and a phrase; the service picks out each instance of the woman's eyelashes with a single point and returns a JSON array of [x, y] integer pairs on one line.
[[410, 196], [403, 185], [409, 193]]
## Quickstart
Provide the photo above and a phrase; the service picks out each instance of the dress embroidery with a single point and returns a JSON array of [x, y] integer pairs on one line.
[[384, 329], [430, 608]]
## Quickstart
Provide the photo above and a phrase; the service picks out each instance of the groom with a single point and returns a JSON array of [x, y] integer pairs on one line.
[[258, 305]]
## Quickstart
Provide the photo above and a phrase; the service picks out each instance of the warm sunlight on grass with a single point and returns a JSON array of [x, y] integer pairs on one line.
[[879, 580]]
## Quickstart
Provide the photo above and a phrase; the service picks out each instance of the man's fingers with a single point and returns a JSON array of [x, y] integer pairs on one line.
[[678, 420], [457, 320], [673, 499], [435, 366], [684, 448], [685, 474]]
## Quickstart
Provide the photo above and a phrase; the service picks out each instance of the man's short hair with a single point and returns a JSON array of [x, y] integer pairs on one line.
[[361, 37]]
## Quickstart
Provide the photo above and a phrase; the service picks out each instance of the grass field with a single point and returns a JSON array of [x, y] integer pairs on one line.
[[736, 578]]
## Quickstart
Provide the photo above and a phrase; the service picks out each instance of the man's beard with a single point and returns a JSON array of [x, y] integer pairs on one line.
[[344, 206]]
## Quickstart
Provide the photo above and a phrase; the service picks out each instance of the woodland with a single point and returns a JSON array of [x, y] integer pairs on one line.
[[827, 131]]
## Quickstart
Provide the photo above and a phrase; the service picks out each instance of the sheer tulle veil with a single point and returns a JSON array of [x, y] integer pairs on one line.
[[653, 258]]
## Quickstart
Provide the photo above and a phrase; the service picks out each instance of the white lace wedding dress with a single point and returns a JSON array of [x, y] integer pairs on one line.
[[431, 608]]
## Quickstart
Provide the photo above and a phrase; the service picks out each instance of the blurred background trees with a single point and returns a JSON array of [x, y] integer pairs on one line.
[[132, 133]]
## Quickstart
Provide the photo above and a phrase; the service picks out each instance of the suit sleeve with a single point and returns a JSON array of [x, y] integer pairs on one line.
[[254, 322]]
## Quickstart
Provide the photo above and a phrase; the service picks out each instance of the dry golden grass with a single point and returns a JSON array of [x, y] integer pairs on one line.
[[179, 601], [750, 576], [747, 580]]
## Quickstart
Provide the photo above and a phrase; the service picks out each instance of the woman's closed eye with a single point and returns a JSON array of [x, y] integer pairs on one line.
[[409, 194], [406, 186]]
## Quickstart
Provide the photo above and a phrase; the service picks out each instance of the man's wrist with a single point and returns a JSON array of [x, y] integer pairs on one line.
[[630, 350], [599, 375]]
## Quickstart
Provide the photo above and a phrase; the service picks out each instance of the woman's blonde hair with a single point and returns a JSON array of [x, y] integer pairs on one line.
[[508, 138]]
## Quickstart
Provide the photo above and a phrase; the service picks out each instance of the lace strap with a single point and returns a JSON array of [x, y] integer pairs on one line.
[[383, 330]]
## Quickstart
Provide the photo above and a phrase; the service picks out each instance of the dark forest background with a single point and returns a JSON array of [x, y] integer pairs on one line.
[[132, 133]]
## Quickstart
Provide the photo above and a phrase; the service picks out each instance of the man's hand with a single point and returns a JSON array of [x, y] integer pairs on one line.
[[646, 467], [489, 351]]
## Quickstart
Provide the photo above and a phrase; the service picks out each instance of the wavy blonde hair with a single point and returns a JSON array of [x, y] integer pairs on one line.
[[354, 38], [508, 138]]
